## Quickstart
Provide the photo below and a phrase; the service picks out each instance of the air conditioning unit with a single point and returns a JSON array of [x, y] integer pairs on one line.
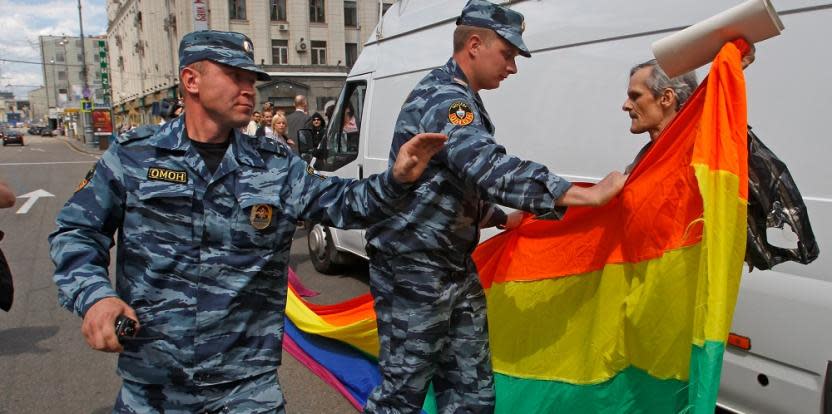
[[283, 27], [302, 46]]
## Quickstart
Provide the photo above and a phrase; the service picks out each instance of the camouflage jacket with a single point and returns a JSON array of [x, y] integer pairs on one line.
[[442, 216], [201, 257]]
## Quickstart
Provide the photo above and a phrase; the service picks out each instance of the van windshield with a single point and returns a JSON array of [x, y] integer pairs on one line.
[[341, 144]]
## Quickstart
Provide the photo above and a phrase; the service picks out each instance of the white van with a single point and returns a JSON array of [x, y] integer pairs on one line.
[[563, 109]]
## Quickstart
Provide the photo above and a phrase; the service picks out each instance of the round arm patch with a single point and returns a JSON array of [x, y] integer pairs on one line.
[[459, 113]]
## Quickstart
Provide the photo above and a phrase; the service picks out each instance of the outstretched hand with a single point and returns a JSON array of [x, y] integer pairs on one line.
[[414, 156], [595, 196]]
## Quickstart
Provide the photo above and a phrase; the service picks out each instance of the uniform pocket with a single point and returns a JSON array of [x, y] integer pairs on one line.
[[163, 210], [257, 222]]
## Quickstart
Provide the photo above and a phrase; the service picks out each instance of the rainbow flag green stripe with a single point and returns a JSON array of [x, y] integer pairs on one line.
[[630, 391]]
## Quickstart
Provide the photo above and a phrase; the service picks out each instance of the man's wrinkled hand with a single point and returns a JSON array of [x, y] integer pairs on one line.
[[99, 324], [414, 156], [749, 57]]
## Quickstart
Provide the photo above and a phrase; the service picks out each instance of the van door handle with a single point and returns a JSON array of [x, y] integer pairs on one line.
[[360, 171]]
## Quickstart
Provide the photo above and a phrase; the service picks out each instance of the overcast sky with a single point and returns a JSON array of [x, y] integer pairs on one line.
[[22, 21]]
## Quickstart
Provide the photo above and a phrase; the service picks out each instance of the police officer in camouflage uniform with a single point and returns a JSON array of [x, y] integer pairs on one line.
[[429, 303], [205, 217]]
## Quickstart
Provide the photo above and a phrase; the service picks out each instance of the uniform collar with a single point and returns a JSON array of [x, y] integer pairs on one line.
[[172, 137], [453, 69]]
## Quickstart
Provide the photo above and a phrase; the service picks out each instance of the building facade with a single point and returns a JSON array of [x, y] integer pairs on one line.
[[308, 46], [39, 105], [63, 75]]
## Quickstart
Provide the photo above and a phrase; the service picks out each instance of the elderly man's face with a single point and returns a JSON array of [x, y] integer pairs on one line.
[[645, 112]]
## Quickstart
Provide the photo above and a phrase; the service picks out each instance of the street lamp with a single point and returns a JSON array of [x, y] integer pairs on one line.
[[87, 118]]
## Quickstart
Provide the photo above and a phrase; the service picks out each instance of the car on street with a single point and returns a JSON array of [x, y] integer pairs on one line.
[[47, 132], [12, 137], [34, 130]]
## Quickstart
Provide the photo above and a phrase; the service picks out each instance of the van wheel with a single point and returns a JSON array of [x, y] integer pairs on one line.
[[325, 257]]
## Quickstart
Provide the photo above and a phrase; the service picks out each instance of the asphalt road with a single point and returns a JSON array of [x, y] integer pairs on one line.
[[45, 365]]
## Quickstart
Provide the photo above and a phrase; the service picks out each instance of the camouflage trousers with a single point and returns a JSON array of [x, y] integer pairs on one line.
[[258, 394], [432, 327]]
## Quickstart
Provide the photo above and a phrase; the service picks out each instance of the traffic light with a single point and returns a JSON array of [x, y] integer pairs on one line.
[[104, 71]]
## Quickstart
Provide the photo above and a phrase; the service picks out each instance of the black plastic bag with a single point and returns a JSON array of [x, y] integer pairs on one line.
[[6, 285], [774, 202]]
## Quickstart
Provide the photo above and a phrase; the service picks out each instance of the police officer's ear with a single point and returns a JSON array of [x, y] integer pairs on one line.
[[189, 79], [474, 43]]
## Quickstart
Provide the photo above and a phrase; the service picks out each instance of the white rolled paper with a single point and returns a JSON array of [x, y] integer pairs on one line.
[[697, 45]]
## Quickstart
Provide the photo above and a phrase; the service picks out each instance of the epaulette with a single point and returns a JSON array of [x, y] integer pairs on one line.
[[142, 132], [270, 145]]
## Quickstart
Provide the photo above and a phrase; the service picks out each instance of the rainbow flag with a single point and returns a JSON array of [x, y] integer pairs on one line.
[[624, 308]]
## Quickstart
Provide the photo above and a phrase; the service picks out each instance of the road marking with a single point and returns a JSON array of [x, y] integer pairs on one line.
[[32, 198], [44, 163]]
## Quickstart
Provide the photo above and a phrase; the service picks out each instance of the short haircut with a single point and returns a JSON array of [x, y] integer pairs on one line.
[[256, 113], [464, 32], [300, 100], [682, 85]]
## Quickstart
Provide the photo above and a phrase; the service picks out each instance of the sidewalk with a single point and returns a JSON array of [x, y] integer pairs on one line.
[[80, 146]]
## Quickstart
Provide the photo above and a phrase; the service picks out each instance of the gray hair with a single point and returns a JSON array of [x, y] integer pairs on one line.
[[682, 85]]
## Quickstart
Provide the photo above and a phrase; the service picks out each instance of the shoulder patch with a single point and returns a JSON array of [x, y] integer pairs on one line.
[[311, 171], [142, 132], [460, 113], [86, 180]]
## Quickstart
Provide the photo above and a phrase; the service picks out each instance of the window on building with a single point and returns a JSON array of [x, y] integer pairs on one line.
[[78, 43], [96, 58], [278, 10], [80, 58], [237, 9], [350, 13], [280, 52], [316, 11], [61, 75], [60, 57], [81, 75], [351, 52], [318, 52]]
